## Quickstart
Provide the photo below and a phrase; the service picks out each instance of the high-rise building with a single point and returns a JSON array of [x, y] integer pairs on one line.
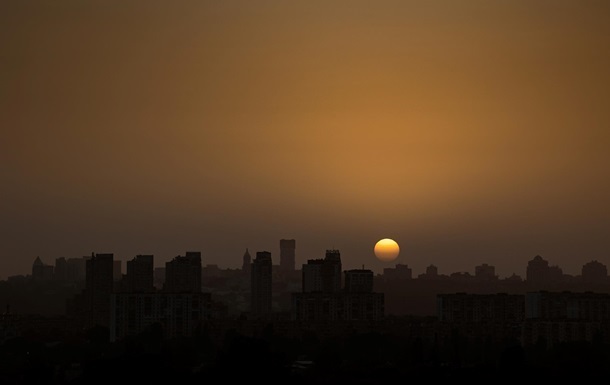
[[117, 270], [312, 276], [76, 269], [594, 272], [159, 277], [331, 272], [485, 272], [261, 285], [537, 270], [567, 305], [287, 255], [247, 260], [140, 274], [40, 271], [61, 270], [322, 275], [183, 274], [98, 288], [323, 300]]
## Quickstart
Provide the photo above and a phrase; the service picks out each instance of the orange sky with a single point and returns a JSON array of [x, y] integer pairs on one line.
[[468, 131]]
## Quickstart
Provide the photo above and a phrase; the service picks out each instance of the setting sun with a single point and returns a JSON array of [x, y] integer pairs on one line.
[[386, 250]]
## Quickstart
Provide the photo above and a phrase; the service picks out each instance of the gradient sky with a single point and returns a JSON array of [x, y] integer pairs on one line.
[[468, 131]]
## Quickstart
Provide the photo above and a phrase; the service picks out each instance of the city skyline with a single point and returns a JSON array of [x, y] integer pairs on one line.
[[470, 132], [161, 263]]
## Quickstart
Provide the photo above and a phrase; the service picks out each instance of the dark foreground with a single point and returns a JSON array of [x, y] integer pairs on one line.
[[357, 358]]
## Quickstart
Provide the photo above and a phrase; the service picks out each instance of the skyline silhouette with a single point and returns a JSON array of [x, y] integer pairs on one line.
[[298, 262], [337, 323], [304, 192]]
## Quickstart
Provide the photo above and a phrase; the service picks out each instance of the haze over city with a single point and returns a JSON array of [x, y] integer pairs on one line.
[[467, 131]]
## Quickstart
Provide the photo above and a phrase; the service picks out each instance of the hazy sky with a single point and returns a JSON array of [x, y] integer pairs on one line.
[[468, 131]]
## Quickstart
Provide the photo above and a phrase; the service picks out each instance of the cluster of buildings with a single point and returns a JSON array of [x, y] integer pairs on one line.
[[132, 304], [183, 295], [532, 317], [538, 271]]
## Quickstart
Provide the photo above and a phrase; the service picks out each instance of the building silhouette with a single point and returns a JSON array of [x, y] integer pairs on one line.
[[537, 270], [399, 272], [60, 273], [485, 272], [246, 263], [117, 270], [358, 281], [594, 272], [431, 273], [566, 305], [312, 276], [179, 309], [183, 274], [331, 272], [98, 289], [556, 317], [323, 275], [139, 277], [480, 308], [76, 269], [287, 255], [261, 285], [41, 271], [325, 299], [177, 314]]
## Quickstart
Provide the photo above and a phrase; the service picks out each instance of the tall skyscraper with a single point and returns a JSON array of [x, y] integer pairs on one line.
[[312, 276], [261, 281], [331, 272], [183, 274], [287, 255], [98, 288], [246, 263], [139, 276], [323, 300], [323, 275]]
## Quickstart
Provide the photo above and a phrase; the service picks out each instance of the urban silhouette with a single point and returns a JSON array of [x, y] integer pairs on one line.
[[304, 192], [82, 320]]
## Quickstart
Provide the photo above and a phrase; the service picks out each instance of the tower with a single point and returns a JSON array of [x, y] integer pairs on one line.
[[139, 274], [331, 272], [287, 254], [260, 282], [98, 288], [245, 267], [183, 274], [323, 275]]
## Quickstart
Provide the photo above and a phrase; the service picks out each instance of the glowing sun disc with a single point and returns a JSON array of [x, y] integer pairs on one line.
[[386, 250]]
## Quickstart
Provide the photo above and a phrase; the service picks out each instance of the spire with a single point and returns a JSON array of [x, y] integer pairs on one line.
[[246, 261], [38, 262]]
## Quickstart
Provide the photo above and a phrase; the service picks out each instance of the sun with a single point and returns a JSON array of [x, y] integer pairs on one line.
[[386, 250]]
